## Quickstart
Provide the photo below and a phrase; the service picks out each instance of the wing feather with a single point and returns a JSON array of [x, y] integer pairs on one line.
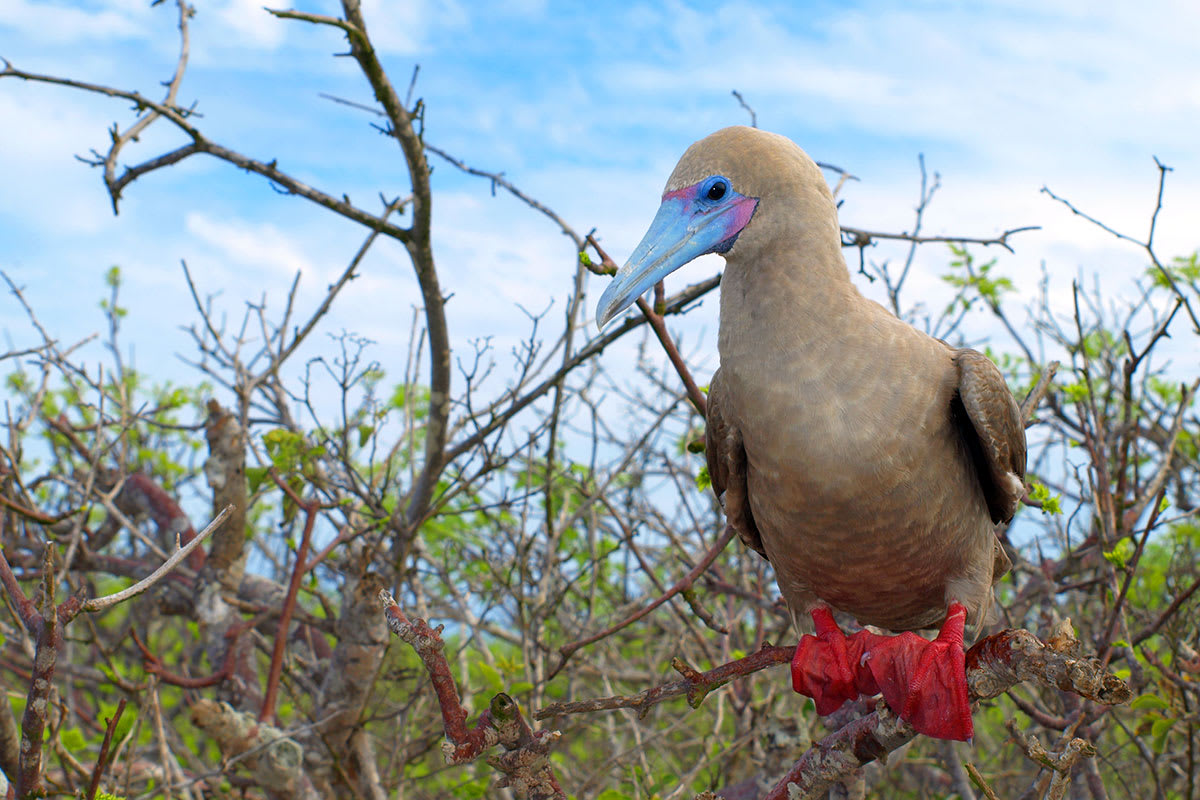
[[990, 422], [727, 466]]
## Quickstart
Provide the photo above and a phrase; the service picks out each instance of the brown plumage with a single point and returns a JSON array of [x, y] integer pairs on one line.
[[867, 460]]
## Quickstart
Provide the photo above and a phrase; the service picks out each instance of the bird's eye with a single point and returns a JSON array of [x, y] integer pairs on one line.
[[717, 190]]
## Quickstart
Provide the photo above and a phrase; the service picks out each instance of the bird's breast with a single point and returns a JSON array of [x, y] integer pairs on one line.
[[858, 482]]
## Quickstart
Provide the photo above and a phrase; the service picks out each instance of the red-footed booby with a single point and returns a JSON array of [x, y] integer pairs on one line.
[[868, 461]]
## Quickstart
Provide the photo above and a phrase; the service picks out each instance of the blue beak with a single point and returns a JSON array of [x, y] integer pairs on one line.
[[682, 230]]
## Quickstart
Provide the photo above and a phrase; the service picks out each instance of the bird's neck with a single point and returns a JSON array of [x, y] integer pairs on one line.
[[786, 304]]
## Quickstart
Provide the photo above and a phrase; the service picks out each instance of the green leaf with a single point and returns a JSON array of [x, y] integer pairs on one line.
[[703, 479], [255, 477], [1119, 556], [1181, 269], [1159, 732], [73, 739], [284, 448], [1077, 392], [1051, 503], [1148, 701], [491, 676]]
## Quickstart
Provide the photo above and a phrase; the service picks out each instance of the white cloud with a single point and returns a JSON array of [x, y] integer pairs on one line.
[[42, 188], [250, 24], [403, 28], [260, 246]]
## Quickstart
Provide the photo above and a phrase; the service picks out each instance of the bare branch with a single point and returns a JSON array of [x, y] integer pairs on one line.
[[856, 237], [108, 601]]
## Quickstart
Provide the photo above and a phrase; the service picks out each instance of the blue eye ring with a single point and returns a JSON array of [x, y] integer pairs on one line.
[[715, 189]]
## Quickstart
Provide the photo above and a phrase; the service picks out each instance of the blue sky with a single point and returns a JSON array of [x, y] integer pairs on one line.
[[586, 107]]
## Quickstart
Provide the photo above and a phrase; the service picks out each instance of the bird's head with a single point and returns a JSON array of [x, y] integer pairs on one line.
[[724, 196]]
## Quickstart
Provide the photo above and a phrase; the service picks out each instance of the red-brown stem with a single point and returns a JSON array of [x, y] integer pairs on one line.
[[102, 760], [35, 515], [267, 714], [668, 344], [155, 667], [33, 723], [428, 644], [683, 583], [524, 762], [30, 617], [325, 551]]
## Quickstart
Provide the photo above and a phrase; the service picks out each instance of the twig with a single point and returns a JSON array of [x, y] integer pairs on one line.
[[704, 682], [154, 665], [131, 134], [1060, 765], [102, 759], [608, 266], [200, 144], [742, 102], [47, 630], [856, 237], [924, 199], [100, 603], [979, 782], [311, 507], [1147, 245], [1167, 613], [567, 650], [1031, 401], [515, 404]]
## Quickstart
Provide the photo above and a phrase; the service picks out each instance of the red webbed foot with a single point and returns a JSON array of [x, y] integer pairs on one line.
[[923, 682], [826, 667]]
